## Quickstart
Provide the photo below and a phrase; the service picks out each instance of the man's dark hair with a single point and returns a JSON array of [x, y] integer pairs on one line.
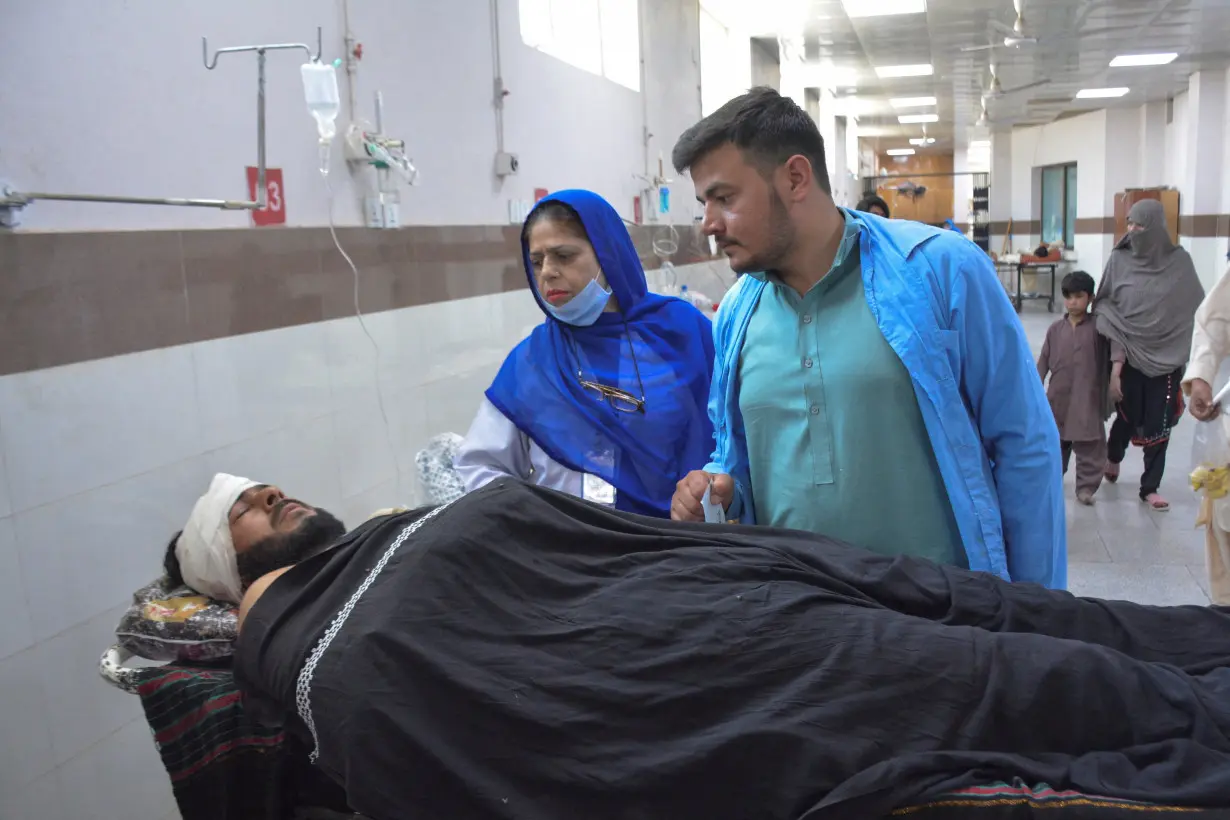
[[872, 201], [767, 127], [1077, 282], [170, 564]]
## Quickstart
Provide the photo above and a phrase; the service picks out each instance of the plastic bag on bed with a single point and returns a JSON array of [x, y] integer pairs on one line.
[[435, 462], [177, 623]]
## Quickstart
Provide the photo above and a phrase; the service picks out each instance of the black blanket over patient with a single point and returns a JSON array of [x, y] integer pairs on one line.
[[524, 654]]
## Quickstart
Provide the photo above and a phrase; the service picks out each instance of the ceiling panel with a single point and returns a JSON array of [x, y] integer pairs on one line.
[[1075, 42]]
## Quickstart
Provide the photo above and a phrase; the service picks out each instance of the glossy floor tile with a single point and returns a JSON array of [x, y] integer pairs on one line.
[[1119, 548]]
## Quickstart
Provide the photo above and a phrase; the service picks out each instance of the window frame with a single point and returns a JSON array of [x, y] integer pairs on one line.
[[551, 48], [1064, 169]]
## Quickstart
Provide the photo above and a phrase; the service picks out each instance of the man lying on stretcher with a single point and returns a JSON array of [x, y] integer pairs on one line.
[[524, 654]]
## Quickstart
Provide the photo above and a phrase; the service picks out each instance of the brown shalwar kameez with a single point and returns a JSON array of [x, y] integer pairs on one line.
[[1070, 355]]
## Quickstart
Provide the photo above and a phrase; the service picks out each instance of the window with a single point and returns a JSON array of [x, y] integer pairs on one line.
[[1059, 204], [725, 61], [599, 36]]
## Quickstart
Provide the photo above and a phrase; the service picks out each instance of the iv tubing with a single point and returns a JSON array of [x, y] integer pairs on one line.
[[358, 312]]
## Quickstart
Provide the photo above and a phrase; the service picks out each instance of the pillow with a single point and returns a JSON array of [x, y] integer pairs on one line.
[[177, 623]]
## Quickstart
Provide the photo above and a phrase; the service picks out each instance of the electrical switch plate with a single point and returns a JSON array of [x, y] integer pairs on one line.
[[392, 214], [373, 212]]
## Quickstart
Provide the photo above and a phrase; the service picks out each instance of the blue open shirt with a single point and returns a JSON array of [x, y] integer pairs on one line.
[[937, 301]]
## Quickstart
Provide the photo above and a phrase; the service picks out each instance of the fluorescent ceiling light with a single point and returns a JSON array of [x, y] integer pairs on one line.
[[911, 102], [882, 8], [887, 71], [1100, 93], [899, 152], [1127, 60], [909, 119], [922, 141], [827, 75]]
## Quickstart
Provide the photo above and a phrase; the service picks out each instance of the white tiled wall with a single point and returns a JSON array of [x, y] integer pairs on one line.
[[101, 461]]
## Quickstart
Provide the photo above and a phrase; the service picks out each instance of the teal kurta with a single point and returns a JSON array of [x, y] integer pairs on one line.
[[836, 441]]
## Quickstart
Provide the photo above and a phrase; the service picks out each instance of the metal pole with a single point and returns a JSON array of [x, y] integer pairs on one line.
[[19, 199], [23, 198], [261, 191]]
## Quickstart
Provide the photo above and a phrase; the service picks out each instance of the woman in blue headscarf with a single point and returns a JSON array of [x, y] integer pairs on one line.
[[607, 398]]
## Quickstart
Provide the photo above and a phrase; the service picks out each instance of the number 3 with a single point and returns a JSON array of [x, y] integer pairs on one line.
[[275, 197]]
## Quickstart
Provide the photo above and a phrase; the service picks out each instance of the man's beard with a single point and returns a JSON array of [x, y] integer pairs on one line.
[[314, 535], [781, 240]]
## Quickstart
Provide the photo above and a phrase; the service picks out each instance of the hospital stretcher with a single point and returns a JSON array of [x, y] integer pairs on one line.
[[208, 744]]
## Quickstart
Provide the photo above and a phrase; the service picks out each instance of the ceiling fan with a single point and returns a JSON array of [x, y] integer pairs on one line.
[[1015, 35], [996, 91]]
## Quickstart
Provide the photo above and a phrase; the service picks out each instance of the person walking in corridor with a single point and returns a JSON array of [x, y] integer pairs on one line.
[[1146, 306], [1071, 355]]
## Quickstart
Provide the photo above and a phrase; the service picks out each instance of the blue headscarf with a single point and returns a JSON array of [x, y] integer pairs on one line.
[[642, 455]]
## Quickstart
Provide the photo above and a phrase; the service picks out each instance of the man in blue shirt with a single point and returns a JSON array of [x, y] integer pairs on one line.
[[872, 382]]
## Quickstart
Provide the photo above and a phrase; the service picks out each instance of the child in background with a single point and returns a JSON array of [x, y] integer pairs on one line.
[[1070, 355]]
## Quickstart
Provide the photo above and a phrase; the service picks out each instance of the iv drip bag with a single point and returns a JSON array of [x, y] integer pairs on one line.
[[320, 91]]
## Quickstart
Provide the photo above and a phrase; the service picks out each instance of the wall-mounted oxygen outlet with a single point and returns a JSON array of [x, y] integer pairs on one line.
[[506, 164]]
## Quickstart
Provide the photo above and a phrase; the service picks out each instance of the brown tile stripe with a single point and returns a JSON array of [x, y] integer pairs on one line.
[[71, 297], [1198, 226], [1204, 225], [1094, 225]]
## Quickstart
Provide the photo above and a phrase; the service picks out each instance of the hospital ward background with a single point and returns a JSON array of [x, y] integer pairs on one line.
[[282, 239]]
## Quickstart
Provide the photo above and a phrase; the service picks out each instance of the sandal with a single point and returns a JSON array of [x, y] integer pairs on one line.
[[1111, 472], [1156, 502]]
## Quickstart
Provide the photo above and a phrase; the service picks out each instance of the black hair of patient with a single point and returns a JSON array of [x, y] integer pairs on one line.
[[170, 563]]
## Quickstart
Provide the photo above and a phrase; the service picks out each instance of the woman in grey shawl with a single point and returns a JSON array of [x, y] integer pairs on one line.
[[1146, 307]]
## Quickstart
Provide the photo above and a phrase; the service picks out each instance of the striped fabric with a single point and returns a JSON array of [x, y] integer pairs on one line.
[[197, 719], [1010, 801]]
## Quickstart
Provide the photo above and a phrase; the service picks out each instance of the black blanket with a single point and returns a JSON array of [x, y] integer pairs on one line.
[[523, 654]]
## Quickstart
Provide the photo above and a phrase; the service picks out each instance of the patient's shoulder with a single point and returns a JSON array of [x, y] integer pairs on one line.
[[255, 591]]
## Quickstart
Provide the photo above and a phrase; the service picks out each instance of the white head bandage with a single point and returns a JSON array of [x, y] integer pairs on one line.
[[205, 551]]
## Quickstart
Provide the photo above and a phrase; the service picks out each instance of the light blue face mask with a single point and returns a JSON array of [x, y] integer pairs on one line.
[[584, 308]]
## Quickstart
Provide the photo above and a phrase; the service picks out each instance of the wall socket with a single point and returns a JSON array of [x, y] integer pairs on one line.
[[373, 212], [392, 214], [382, 211], [519, 210]]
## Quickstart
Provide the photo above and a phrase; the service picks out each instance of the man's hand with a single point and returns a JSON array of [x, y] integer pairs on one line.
[[1116, 388], [1202, 401], [685, 506]]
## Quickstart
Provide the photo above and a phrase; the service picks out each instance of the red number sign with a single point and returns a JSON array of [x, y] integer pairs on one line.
[[274, 212]]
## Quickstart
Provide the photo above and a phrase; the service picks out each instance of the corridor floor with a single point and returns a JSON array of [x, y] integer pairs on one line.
[[1121, 549]]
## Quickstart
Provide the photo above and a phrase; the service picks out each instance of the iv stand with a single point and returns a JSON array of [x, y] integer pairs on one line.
[[10, 199]]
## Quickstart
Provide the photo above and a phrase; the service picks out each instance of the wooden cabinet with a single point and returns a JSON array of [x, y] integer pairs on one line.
[[1124, 200]]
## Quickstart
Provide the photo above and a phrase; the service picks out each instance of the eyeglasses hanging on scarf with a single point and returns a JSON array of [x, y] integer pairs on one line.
[[618, 398]]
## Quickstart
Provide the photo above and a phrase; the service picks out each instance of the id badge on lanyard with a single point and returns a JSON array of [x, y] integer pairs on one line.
[[596, 490]]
